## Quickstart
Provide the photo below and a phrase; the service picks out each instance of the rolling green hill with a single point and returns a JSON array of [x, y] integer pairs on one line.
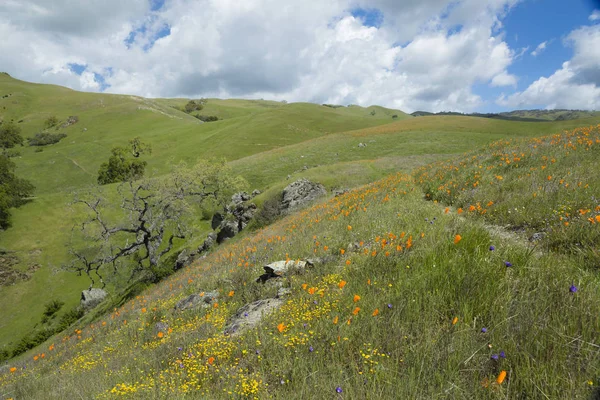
[[264, 141], [412, 298], [42, 228]]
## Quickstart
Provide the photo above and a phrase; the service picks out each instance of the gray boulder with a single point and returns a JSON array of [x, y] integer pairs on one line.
[[208, 242], [92, 297], [228, 230], [251, 314], [240, 197], [301, 192], [217, 219], [279, 269], [204, 299]]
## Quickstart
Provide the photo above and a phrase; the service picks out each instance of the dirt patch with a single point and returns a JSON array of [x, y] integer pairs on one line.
[[9, 275]]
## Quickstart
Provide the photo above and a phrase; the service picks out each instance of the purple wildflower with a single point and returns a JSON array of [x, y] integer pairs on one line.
[[484, 330], [311, 349], [502, 354], [338, 389], [180, 348], [492, 248], [573, 289], [494, 356], [389, 305], [508, 264]]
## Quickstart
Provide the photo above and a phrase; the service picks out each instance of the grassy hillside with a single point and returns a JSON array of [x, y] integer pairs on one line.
[[552, 115], [416, 299], [42, 228], [401, 143], [547, 187], [265, 140]]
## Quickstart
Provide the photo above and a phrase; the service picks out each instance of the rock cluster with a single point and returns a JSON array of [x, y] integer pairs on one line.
[[299, 193]]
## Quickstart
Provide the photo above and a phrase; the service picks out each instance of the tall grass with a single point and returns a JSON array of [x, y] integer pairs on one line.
[[414, 302]]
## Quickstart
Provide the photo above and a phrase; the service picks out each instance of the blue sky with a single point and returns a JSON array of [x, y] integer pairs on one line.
[[434, 55]]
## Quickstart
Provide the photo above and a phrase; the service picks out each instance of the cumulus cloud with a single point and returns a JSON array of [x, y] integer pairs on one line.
[[504, 79], [575, 85], [423, 54], [595, 16]]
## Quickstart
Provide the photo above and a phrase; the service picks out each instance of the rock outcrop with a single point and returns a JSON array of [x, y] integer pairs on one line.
[[92, 297], [299, 193], [251, 314], [203, 299], [234, 217]]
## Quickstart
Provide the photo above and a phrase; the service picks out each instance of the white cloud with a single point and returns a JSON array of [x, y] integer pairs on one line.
[[595, 16], [539, 49], [299, 50], [504, 79], [575, 85]]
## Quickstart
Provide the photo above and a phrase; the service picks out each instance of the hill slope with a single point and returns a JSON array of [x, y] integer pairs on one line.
[[410, 300], [42, 228]]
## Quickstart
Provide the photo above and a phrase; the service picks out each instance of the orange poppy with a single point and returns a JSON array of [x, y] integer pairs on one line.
[[501, 377]]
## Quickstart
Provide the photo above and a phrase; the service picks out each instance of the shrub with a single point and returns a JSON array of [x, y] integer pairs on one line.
[[394, 116], [50, 122], [45, 138], [194, 105], [52, 307], [69, 317], [269, 212], [207, 118], [32, 340]]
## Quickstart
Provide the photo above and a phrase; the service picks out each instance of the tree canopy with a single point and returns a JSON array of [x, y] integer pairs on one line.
[[14, 191], [153, 214], [10, 136], [124, 164]]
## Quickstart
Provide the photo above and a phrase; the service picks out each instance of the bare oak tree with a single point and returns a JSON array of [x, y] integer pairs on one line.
[[153, 214]]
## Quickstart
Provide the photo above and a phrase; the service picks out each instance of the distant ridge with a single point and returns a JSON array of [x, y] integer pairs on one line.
[[522, 115]]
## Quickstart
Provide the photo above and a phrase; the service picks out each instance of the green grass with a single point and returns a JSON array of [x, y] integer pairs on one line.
[[547, 185], [42, 228], [408, 266], [551, 115], [265, 142]]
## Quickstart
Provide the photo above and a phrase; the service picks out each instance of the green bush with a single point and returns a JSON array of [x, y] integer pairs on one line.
[[207, 118], [68, 318], [194, 105], [45, 138], [50, 122], [32, 340], [52, 307], [268, 213]]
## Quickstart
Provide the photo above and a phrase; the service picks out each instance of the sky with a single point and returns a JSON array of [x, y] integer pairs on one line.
[[431, 55]]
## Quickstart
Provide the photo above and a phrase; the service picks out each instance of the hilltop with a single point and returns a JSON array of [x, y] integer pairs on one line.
[[523, 115]]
